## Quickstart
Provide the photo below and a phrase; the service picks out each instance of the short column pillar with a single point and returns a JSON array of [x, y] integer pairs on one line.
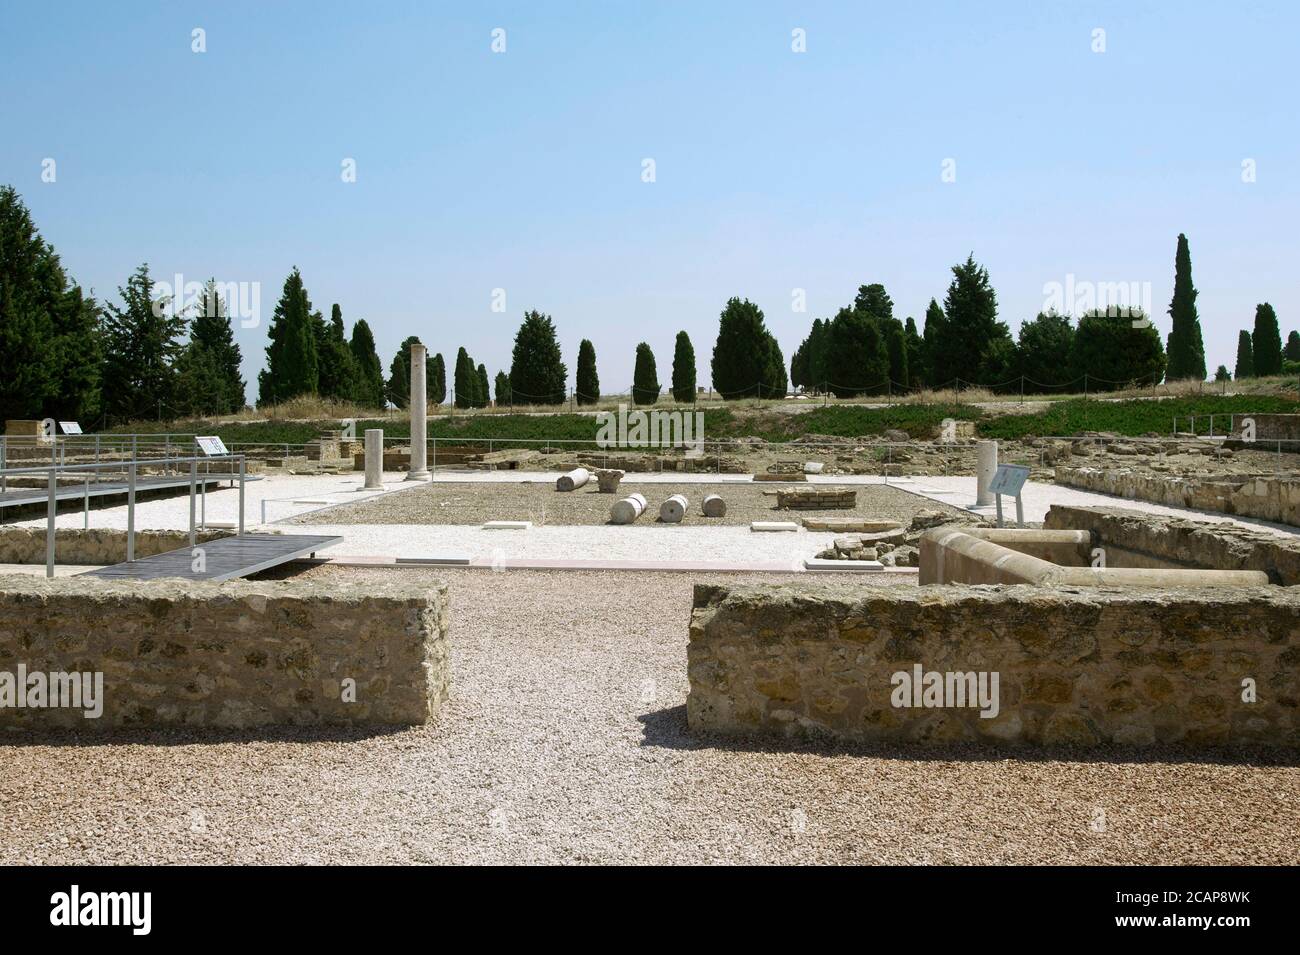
[[986, 464], [374, 458]]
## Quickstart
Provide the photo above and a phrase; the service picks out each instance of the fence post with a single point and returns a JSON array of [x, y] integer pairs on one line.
[[241, 495], [130, 511], [194, 468], [51, 508]]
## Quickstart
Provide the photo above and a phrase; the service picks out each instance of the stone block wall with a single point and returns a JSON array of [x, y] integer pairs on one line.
[[1084, 667], [816, 499], [1266, 497], [1133, 538], [239, 654], [97, 546]]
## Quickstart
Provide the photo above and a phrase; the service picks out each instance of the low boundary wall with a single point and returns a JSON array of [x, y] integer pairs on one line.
[[1267, 498], [239, 654], [1073, 667], [98, 546]]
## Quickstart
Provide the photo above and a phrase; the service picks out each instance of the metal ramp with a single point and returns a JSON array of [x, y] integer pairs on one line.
[[20, 497], [224, 559]]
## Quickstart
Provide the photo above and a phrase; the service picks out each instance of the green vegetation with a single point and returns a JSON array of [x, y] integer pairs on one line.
[[1132, 418]]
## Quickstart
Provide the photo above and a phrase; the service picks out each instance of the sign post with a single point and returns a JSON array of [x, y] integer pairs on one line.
[[1010, 479]]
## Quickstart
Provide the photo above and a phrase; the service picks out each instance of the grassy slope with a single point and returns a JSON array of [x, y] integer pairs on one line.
[[920, 421]]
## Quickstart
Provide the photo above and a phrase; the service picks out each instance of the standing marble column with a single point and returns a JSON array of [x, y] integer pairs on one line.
[[419, 417]]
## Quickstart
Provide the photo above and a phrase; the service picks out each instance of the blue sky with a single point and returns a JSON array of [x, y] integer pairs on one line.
[[774, 170]]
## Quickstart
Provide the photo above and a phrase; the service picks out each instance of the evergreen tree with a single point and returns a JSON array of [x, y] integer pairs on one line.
[[370, 371], [484, 394], [896, 348], [399, 382], [683, 369], [141, 347], [858, 361], [874, 302], [1266, 341], [1221, 373], [537, 373], [465, 384], [336, 370], [50, 347], [645, 377], [211, 332], [1186, 349], [588, 381], [1245, 367], [936, 326], [1292, 350], [200, 387], [915, 355], [1116, 348], [1045, 352], [741, 365], [437, 380], [291, 368], [775, 384], [973, 345], [502, 389], [398, 386]]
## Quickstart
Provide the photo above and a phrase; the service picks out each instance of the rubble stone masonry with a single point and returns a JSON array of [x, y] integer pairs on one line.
[[1083, 667]]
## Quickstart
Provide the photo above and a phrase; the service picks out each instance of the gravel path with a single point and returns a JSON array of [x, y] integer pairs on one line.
[[565, 741], [542, 504]]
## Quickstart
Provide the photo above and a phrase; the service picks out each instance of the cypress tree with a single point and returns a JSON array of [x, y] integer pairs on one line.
[[1221, 373], [141, 348], [502, 389], [683, 369], [370, 371], [1186, 349], [537, 373], [1266, 341], [936, 326], [336, 370], [896, 348], [741, 365], [645, 378], [915, 354], [858, 361], [437, 380], [1292, 350], [875, 302], [775, 383], [291, 367], [399, 382], [484, 387], [465, 383], [1245, 367], [398, 386], [588, 381]]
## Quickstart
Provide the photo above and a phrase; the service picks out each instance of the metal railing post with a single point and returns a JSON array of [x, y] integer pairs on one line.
[[85, 505], [130, 511], [241, 495], [194, 470], [50, 508]]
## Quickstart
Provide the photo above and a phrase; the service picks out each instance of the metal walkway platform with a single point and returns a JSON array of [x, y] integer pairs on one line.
[[27, 496], [224, 559]]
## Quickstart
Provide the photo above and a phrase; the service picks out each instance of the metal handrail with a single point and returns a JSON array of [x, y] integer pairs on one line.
[[53, 471]]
